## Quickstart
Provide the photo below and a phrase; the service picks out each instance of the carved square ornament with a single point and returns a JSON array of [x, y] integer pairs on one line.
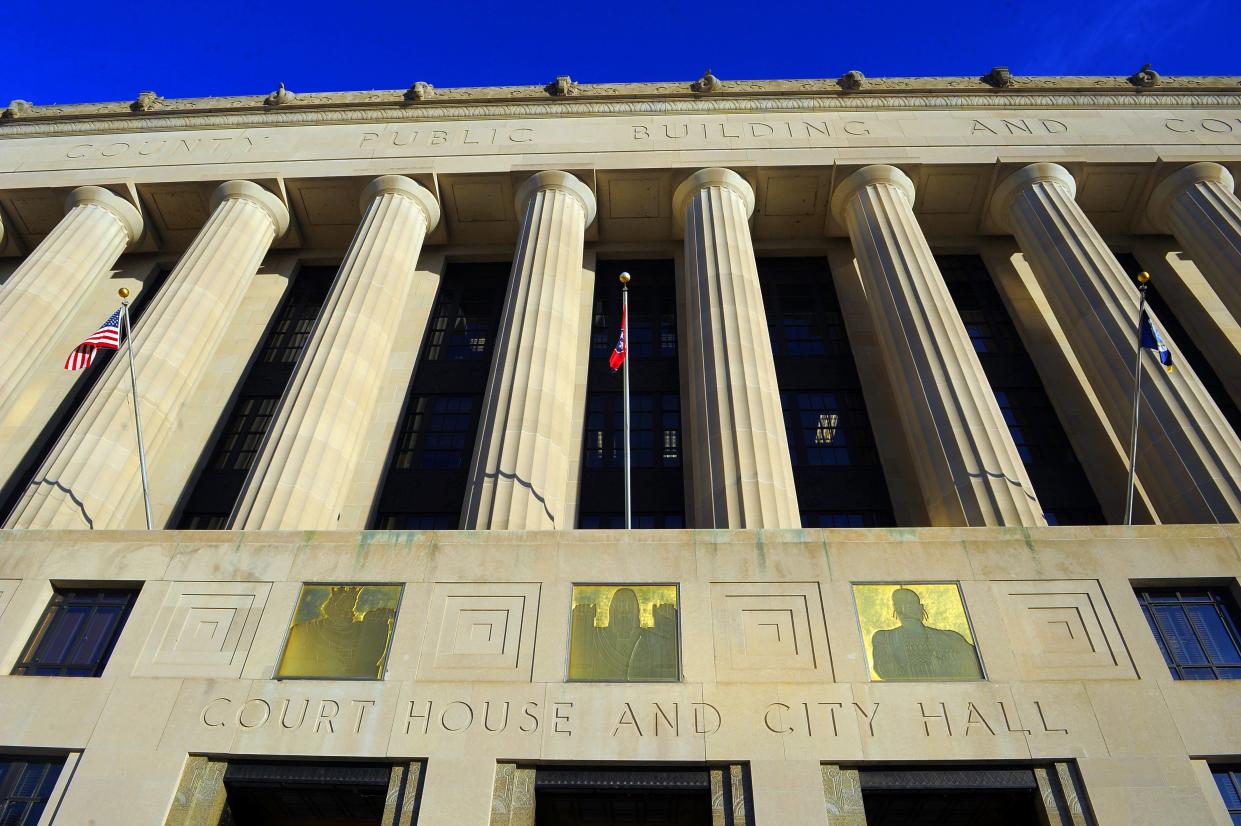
[[481, 631], [1063, 630], [204, 629], [769, 631]]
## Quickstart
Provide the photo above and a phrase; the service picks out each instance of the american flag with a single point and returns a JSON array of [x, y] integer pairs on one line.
[[107, 337]]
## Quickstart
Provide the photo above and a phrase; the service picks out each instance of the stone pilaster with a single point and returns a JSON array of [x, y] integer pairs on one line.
[[301, 475], [42, 294], [742, 471], [1189, 460], [91, 478], [967, 464], [519, 476], [1198, 206]]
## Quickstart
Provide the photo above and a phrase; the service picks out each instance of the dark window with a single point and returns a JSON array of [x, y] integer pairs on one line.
[[209, 502], [836, 467], [1196, 629], [437, 433], [425, 483], [654, 430], [655, 440], [25, 788], [1049, 459], [978, 796], [1174, 330], [1228, 779], [11, 493], [640, 520], [77, 632]]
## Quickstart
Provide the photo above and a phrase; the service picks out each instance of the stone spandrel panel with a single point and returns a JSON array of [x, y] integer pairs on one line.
[[204, 629], [1063, 630], [769, 631], [481, 631]]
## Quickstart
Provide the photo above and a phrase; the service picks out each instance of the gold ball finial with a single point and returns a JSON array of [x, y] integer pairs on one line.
[[1143, 277], [624, 278], [123, 292]]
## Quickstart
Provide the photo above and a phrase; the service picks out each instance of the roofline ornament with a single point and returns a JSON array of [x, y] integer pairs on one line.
[[852, 80], [146, 102], [1145, 78], [17, 109], [562, 86], [420, 91], [999, 77], [706, 84], [280, 97]]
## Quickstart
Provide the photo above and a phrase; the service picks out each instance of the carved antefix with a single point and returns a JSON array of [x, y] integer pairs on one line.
[[916, 632], [707, 83], [280, 97], [624, 633], [999, 77], [420, 91], [851, 81], [18, 109], [146, 102], [1145, 78], [563, 85]]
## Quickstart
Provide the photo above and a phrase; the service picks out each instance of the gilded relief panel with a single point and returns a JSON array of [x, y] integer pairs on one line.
[[341, 632], [625, 633], [916, 632]]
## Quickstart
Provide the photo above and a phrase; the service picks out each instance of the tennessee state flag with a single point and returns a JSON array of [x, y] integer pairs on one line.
[[617, 358]]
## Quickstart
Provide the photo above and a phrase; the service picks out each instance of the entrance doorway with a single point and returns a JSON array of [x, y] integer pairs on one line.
[[622, 797], [979, 797], [304, 794]]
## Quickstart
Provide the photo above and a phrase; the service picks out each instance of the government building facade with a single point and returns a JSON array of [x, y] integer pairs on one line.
[[882, 354]]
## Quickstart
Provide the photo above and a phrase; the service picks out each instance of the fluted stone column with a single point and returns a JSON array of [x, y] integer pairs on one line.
[[742, 471], [519, 475], [967, 464], [91, 478], [300, 478], [1189, 460], [45, 290], [1198, 206]]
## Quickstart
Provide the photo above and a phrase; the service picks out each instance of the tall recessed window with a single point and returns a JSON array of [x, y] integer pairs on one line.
[[209, 503], [1197, 631], [836, 468], [77, 632], [425, 483], [25, 788], [1228, 780], [1059, 481], [655, 436], [1174, 330]]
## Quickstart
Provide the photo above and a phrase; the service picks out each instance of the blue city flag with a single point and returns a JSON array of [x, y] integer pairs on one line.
[[1150, 338]]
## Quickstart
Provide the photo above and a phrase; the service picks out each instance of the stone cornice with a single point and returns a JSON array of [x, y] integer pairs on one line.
[[570, 99]]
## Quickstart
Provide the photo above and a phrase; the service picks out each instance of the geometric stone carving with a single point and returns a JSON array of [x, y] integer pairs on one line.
[[204, 629], [481, 631], [7, 588], [769, 631], [1063, 630], [512, 796]]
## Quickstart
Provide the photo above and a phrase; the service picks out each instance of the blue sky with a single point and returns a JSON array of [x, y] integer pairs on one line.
[[74, 51]]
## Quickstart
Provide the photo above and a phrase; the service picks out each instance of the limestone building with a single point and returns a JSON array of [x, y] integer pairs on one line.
[[882, 345]]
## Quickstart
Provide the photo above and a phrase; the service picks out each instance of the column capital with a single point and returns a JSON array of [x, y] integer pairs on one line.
[[555, 179], [868, 176], [705, 178], [1181, 180], [255, 194], [123, 211], [1030, 175], [411, 189]]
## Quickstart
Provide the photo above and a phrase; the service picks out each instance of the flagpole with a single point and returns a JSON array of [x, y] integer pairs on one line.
[[1143, 278], [133, 382], [624, 280]]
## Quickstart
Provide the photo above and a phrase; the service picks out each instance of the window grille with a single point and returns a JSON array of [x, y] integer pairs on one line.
[[76, 633], [1197, 631]]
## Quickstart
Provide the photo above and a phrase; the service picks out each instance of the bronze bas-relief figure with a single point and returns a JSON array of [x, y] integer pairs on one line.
[[623, 650], [343, 641], [916, 651]]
